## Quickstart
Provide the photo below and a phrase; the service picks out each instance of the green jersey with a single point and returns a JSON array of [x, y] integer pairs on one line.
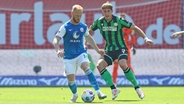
[[112, 32]]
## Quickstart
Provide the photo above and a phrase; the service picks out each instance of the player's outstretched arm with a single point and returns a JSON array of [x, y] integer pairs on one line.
[[142, 34], [177, 34], [91, 41]]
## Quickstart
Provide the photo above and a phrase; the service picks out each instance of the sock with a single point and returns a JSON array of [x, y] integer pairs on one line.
[[73, 87], [107, 77], [92, 65], [130, 76], [97, 92], [92, 79]]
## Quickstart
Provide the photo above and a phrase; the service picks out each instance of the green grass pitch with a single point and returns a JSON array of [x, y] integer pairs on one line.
[[62, 95]]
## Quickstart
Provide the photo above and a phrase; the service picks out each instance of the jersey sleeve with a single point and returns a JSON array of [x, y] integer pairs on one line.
[[125, 23], [61, 32], [94, 26]]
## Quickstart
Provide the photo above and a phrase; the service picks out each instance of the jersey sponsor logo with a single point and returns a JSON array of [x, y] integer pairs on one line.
[[109, 28], [75, 41], [75, 35]]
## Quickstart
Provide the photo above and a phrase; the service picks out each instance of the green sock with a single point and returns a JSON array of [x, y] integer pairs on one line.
[[130, 76], [107, 77], [92, 65]]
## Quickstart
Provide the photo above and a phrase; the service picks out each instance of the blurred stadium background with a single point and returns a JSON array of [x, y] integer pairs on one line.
[[27, 29]]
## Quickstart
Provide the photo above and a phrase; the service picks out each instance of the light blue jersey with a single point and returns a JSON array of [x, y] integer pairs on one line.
[[73, 37]]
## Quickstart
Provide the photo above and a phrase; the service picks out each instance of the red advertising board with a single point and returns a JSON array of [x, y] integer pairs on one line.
[[32, 24]]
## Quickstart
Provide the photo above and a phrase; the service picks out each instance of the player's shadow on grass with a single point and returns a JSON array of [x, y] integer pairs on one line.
[[90, 103], [125, 100], [97, 102]]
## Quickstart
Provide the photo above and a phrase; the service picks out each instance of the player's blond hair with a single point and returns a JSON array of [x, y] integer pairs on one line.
[[106, 5], [77, 7]]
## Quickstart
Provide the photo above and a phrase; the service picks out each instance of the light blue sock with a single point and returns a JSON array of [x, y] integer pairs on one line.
[[73, 87], [92, 79]]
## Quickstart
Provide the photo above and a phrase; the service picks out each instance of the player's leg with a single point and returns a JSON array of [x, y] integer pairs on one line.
[[73, 87], [101, 65], [85, 66], [92, 65], [129, 60], [70, 69], [130, 75], [115, 71]]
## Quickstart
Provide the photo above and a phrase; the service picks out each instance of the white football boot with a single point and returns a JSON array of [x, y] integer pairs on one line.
[[74, 98], [115, 93], [140, 93], [101, 95]]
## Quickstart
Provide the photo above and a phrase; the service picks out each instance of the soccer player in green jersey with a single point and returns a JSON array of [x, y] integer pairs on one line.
[[110, 27]]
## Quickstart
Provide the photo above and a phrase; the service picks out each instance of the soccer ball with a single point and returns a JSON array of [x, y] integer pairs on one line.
[[88, 96]]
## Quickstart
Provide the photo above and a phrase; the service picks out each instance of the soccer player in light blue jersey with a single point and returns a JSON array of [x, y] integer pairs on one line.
[[74, 54]]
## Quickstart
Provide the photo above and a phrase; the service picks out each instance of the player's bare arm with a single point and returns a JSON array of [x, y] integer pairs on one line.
[[91, 32], [142, 34], [56, 40], [177, 34], [91, 41]]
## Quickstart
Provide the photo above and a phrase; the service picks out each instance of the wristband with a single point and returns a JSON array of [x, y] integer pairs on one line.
[[146, 38]]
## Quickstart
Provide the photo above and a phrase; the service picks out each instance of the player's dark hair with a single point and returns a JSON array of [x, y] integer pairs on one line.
[[106, 5]]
